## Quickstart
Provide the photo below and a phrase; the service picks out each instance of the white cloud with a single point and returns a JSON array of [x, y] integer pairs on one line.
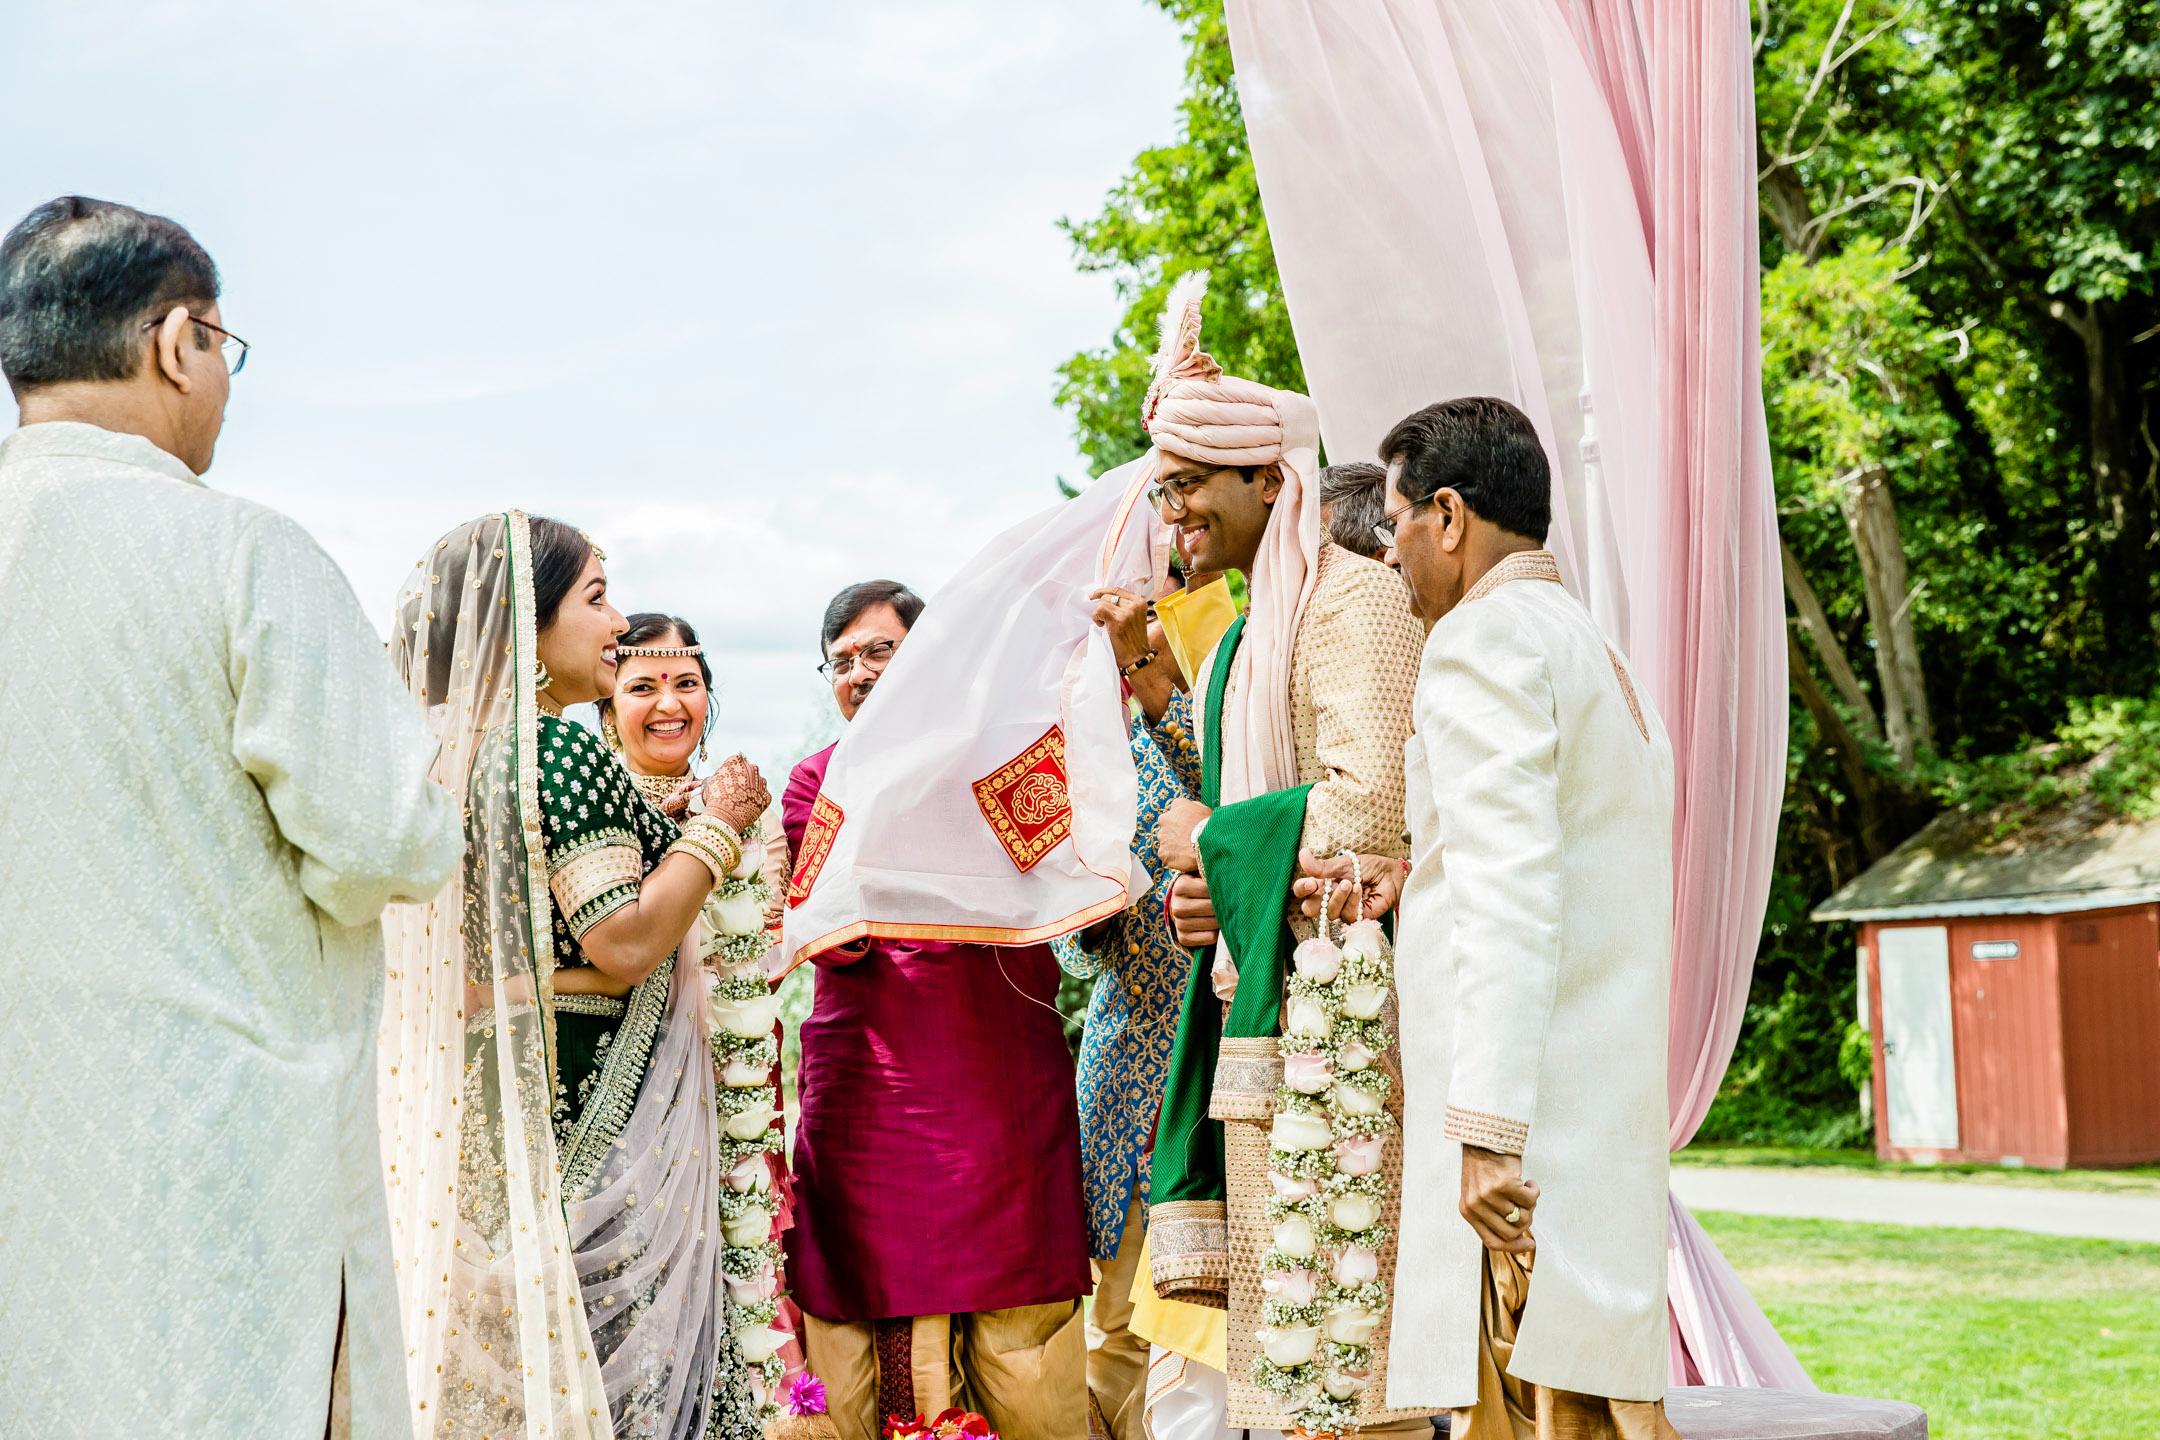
[[768, 297]]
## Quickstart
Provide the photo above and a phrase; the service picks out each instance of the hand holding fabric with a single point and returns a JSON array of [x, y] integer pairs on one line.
[[1124, 615], [1192, 912], [736, 793], [1379, 877], [1492, 1190], [1174, 843]]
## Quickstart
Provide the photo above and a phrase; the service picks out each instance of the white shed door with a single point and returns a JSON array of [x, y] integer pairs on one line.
[[1919, 1058]]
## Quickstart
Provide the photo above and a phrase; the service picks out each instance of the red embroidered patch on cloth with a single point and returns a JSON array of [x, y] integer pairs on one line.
[[1024, 800], [817, 843]]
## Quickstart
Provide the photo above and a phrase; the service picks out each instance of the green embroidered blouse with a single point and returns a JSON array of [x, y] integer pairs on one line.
[[602, 836]]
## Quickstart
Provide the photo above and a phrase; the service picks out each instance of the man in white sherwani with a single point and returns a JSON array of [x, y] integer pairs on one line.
[[213, 785], [1533, 951]]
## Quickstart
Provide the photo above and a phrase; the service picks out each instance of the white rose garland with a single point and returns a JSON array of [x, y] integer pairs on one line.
[[1322, 1297], [745, 1054]]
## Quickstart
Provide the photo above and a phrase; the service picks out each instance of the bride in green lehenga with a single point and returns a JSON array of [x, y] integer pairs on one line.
[[550, 1128]]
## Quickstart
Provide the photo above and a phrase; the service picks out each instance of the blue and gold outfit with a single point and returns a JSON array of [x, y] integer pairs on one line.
[[1140, 972]]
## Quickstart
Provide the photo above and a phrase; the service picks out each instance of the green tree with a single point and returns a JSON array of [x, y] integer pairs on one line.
[[1961, 342], [1189, 205]]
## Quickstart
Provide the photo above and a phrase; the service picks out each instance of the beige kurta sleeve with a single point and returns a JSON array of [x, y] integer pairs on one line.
[[1358, 652], [1492, 744], [322, 724]]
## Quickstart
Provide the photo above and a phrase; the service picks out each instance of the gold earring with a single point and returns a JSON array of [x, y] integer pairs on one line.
[[609, 734], [541, 678]]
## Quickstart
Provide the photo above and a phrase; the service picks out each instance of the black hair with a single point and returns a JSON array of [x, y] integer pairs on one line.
[[847, 607], [559, 553], [647, 627], [1483, 449], [78, 280], [1355, 495]]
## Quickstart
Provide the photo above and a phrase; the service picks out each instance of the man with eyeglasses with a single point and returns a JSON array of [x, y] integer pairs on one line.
[[214, 782], [1533, 962], [939, 1239], [1302, 709]]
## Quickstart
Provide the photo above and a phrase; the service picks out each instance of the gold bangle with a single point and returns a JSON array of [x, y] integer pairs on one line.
[[723, 832], [713, 842]]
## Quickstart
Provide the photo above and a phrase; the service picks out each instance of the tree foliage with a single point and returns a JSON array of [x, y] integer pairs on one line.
[[1960, 234], [1189, 205]]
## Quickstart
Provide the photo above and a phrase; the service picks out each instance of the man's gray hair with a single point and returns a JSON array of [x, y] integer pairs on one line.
[[78, 280], [1355, 495]]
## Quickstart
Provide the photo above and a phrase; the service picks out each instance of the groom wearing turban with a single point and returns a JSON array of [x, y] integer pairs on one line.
[[1302, 710]]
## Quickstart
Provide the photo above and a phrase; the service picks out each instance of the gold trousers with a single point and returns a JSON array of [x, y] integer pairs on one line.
[[1118, 1359], [1023, 1369], [1510, 1409]]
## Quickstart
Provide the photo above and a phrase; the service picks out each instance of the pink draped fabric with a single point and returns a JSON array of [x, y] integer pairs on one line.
[[1553, 202]]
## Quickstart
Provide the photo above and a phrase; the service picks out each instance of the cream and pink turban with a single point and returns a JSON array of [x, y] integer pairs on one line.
[[1196, 412]]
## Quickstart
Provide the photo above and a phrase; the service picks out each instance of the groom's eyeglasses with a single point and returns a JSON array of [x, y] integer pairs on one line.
[[232, 347], [1169, 495]]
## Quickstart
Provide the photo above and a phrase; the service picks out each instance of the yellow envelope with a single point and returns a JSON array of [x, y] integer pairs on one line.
[[1192, 621]]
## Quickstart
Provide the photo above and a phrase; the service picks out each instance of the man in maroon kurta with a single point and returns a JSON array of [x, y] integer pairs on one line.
[[940, 1247]]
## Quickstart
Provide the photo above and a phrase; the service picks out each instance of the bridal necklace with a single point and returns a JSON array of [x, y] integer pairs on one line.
[[658, 787]]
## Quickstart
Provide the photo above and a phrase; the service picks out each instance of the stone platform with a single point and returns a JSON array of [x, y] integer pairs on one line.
[[1716, 1412]]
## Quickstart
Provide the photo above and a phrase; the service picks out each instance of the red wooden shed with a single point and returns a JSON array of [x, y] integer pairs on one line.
[[2011, 983]]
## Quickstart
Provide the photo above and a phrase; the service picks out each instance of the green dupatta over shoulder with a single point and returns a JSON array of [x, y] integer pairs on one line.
[[1224, 1066]]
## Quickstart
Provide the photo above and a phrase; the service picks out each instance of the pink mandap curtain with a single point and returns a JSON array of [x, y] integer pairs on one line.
[[1553, 201]]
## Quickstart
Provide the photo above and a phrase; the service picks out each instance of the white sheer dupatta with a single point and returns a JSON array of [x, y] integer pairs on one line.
[[495, 1336]]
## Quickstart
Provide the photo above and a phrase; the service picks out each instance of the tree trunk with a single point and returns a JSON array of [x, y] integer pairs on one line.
[[2118, 480], [1871, 514], [1827, 644], [1875, 841], [1784, 199]]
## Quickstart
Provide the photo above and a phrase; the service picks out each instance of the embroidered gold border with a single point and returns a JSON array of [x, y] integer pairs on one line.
[[1487, 1132], [1522, 565], [596, 881], [1248, 1071], [957, 934], [1627, 688], [526, 720], [993, 794], [615, 1093], [825, 820], [607, 1007], [1189, 1251]]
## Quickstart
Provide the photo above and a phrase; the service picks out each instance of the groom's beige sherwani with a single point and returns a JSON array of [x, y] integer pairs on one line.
[[1531, 965], [213, 783]]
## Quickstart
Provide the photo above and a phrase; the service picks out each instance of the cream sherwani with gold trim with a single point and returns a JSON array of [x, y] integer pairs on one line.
[[1531, 965]]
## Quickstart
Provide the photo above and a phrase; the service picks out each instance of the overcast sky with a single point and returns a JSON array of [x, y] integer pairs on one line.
[[767, 297]]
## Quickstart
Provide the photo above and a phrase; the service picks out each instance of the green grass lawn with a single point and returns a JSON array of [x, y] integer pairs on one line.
[[1995, 1332], [2138, 1179]]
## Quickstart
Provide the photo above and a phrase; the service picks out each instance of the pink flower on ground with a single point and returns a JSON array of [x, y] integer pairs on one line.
[[1308, 1073], [805, 1394]]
